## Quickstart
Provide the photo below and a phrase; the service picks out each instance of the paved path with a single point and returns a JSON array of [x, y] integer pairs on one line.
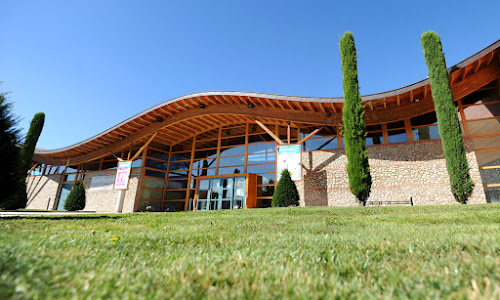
[[13, 214]]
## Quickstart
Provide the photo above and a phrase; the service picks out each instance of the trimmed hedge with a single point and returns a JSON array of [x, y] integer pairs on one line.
[[76, 198], [447, 116], [286, 192], [36, 127], [358, 168]]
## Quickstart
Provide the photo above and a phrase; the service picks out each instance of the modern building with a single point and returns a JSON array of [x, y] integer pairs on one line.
[[216, 150]]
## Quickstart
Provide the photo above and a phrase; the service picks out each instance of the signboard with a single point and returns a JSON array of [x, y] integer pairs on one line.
[[289, 157], [102, 183], [122, 175]]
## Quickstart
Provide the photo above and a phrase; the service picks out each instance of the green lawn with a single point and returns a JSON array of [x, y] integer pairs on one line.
[[328, 252]]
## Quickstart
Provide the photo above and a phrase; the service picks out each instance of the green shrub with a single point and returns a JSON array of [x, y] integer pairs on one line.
[[358, 168], [286, 193], [447, 116], [76, 198]]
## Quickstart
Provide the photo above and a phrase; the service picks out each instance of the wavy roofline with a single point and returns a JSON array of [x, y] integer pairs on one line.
[[368, 97]]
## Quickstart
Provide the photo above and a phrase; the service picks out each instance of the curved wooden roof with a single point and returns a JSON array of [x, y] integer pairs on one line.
[[178, 119]]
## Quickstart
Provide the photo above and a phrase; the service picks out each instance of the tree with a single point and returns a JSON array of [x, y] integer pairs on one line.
[[358, 168], [286, 193], [447, 116], [76, 198], [10, 175], [36, 127]]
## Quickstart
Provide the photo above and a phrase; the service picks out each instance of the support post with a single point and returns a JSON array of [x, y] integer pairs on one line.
[[119, 201]]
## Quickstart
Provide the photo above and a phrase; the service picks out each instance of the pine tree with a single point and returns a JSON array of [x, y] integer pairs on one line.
[[76, 198], [286, 192], [36, 127], [447, 116], [358, 168], [10, 176]]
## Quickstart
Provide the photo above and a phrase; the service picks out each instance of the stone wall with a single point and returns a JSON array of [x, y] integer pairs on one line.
[[104, 200], [43, 192], [399, 171]]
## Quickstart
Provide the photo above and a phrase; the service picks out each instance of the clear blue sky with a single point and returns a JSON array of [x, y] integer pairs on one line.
[[91, 64]]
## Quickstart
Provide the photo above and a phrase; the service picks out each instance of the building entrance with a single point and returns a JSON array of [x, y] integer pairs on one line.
[[227, 192]]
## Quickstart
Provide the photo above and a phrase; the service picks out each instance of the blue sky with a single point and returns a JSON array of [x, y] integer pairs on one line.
[[91, 64]]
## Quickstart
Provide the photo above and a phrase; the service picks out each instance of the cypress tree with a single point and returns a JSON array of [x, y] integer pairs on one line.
[[76, 198], [447, 116], [286, 193], [10, 175], [358, 169], [36, 127]]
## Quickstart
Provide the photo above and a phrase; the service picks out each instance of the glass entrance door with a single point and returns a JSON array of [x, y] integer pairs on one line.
[[221, 193]]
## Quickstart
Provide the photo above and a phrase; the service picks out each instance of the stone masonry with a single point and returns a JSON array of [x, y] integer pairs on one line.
[[43, 192], [399, 171]]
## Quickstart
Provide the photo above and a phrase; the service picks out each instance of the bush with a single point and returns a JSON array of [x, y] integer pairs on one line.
[[286, 193], [36, 127], [358, 168], [447, 116], [76, 198]]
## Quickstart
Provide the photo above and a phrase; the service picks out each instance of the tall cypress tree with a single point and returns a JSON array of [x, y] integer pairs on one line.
[[36, 127], [447, 116], [358, 169]]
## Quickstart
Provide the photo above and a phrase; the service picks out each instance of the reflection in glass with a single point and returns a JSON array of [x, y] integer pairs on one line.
[[63, 195], [325, 143], [175, 195], [490, 176], [484, 126], [238, 150], [231, 170], [150, 206], [152, 183], [173, 206], [151, 194], [231, 161], [397, 136], [374, 138], [492, 194], [425, 133], [265, 168]]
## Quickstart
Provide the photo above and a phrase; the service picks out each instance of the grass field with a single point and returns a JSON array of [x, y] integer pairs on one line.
[[328, 252]]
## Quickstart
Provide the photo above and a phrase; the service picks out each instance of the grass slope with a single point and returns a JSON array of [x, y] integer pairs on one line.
[[398, 252]]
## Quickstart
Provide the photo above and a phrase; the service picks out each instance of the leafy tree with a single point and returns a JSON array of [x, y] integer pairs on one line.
[[76, 198], [36, 127], [10, 176], [358, 168], [447, 116], [286, 193]]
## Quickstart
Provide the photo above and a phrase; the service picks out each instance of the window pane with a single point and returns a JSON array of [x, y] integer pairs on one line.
[[261, 168], [394, 125], [261, 148], [109, 165], [261, 158], [150, 206], [238, 150], [264, 191], [427, 119], [487, 142], [266, 178], [484, 126], [480, 97], [92, 166], [156, 164], [151, 194], [175, 195], [204, 172], [230, 170], [178, 174], [204, 163], [233, 141], [173, 206], [176, 184], [482, 111], [137, 163], [157, 154], [157, 174], [425, 133], [203, 188], [397, 136], [374, 138], [490, 176], [325, 143], [210, 153], [70, 177], [231, 161], [492, 194], [490, 158], [180, 156], [179, 166], [153, 183]]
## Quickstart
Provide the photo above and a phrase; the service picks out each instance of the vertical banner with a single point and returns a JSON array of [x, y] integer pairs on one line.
[[289, 157], [122, 175]]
